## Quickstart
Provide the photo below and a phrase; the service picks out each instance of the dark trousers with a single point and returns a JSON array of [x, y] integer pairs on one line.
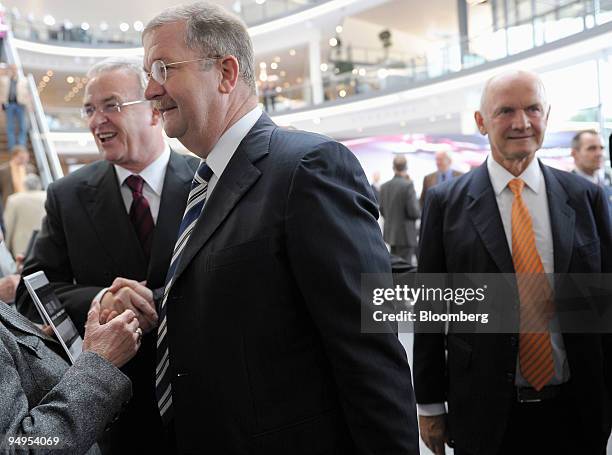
[[550, 427], [405, 252]]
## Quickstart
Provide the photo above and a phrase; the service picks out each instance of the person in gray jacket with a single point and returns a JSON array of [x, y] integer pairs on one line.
[[47, 405], [400, 209]]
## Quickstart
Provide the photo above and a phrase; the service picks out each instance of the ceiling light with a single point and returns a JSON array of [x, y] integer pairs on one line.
[[324, 67], [50, 73], [278, 89], [49, 20], [292, 52], [263, 65], [138, 26], [260, 2], [339, 29], [85, 26], [70, 79], [333, 42], [277, 59], [362, 72], [46, 78], [124, 26], [103, 26], [274, 65], [342, 93], [382, 73]]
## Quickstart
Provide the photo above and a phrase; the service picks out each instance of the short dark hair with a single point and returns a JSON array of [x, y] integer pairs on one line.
[[577, 138], [399, 163]]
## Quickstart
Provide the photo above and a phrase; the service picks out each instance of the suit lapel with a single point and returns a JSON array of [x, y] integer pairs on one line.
[[485, 216], [11, 317], [238, 177], [562, 220], [103, 203], [177, 183]]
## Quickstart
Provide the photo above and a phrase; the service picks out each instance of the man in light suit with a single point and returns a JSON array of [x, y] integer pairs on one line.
[[24, 213], [114, 220], [43, 397], [260, 346], [503, 396], [443, 174], [400, 209]]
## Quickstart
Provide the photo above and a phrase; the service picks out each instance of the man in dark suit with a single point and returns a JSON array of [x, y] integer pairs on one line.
[[588, 154], [509, 393], [400, 210], [260, 347], [111, 225], [443, 174]]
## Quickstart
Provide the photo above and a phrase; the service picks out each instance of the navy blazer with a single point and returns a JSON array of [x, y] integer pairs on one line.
[[462, 231], [266, 352]]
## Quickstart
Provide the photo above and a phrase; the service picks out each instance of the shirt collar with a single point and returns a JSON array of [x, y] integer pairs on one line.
[[227, 144], [593, 178], [532, 176], [153, 174]]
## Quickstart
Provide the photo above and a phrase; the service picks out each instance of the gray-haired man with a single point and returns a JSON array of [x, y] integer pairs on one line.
[[110, 226]]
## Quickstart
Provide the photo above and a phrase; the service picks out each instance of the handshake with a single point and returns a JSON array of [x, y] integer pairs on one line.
[[115, 324]]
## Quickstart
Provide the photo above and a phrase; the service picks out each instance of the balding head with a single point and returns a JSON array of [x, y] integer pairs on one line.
[[443, 161], [514, 114]]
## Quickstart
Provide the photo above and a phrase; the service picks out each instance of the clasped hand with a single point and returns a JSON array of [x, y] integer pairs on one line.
[[132, 295]]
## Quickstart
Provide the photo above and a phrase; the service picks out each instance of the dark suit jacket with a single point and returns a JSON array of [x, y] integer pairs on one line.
[[399, 208], [430, 180], [266, 353], [462, 231], [43, 396], [86, 241]]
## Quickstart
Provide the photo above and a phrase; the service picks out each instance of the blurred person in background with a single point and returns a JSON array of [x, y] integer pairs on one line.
[[376, 185], [13, 173], [400, 210], [588, 154], [16, 102], [23, 214], [443, 174]]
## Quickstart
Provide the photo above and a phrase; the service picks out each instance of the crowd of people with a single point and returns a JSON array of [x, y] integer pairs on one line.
[[219, 295]]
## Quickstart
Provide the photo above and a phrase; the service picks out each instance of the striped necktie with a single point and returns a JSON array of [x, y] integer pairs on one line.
[[535, 294], [195, 203]]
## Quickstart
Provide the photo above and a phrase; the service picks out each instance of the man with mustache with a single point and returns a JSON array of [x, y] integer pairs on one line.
[[260, 347], [110, 228]]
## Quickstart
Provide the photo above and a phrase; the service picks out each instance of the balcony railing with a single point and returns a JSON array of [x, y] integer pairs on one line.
[[128, 35]]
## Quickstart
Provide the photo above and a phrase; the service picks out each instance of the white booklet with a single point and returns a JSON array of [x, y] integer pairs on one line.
[[52, 312]]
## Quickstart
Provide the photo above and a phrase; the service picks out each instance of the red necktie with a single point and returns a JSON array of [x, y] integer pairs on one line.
[[140, 214]]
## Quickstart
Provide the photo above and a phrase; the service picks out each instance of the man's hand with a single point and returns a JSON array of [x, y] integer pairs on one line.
[[131, 295], [19, 260], [434, 432], [117, 341], [8, 287]]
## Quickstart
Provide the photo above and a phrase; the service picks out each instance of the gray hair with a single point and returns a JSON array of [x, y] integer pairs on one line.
[[212, 31], [130, 65], [32, 182]]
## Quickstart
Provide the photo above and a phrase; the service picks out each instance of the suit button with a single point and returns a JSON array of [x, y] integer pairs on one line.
[[510, 377], [514, 341]]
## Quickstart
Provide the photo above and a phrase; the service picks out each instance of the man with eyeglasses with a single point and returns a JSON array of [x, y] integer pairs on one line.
[[260, 348], [110, 229]]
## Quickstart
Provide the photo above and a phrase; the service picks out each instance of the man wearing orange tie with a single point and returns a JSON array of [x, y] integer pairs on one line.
[[536, 391]]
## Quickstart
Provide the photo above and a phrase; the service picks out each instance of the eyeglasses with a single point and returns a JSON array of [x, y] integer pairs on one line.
[[109, 108], [159, 69]]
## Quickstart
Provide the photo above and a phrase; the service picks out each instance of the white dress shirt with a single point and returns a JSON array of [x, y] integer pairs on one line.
[[153, 176], [534, 196], [226, 146]]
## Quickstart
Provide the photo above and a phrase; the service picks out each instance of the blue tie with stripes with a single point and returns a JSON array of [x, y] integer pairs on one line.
[[195, 202]]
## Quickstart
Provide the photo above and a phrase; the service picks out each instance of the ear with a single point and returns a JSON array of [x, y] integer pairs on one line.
[[480, 122], [155, 117], [229, 74]]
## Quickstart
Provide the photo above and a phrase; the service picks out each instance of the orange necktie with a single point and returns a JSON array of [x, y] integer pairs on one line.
[[535, 293]]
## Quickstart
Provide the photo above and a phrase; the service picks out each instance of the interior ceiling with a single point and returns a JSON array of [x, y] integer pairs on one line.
[[421, 19]]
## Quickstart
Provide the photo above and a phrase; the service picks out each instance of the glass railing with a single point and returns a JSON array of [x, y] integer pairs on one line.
[[351, 72], [127, 35]]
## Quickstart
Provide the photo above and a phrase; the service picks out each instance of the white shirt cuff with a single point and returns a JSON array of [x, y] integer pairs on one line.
[[431, 409], [100, 294]]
